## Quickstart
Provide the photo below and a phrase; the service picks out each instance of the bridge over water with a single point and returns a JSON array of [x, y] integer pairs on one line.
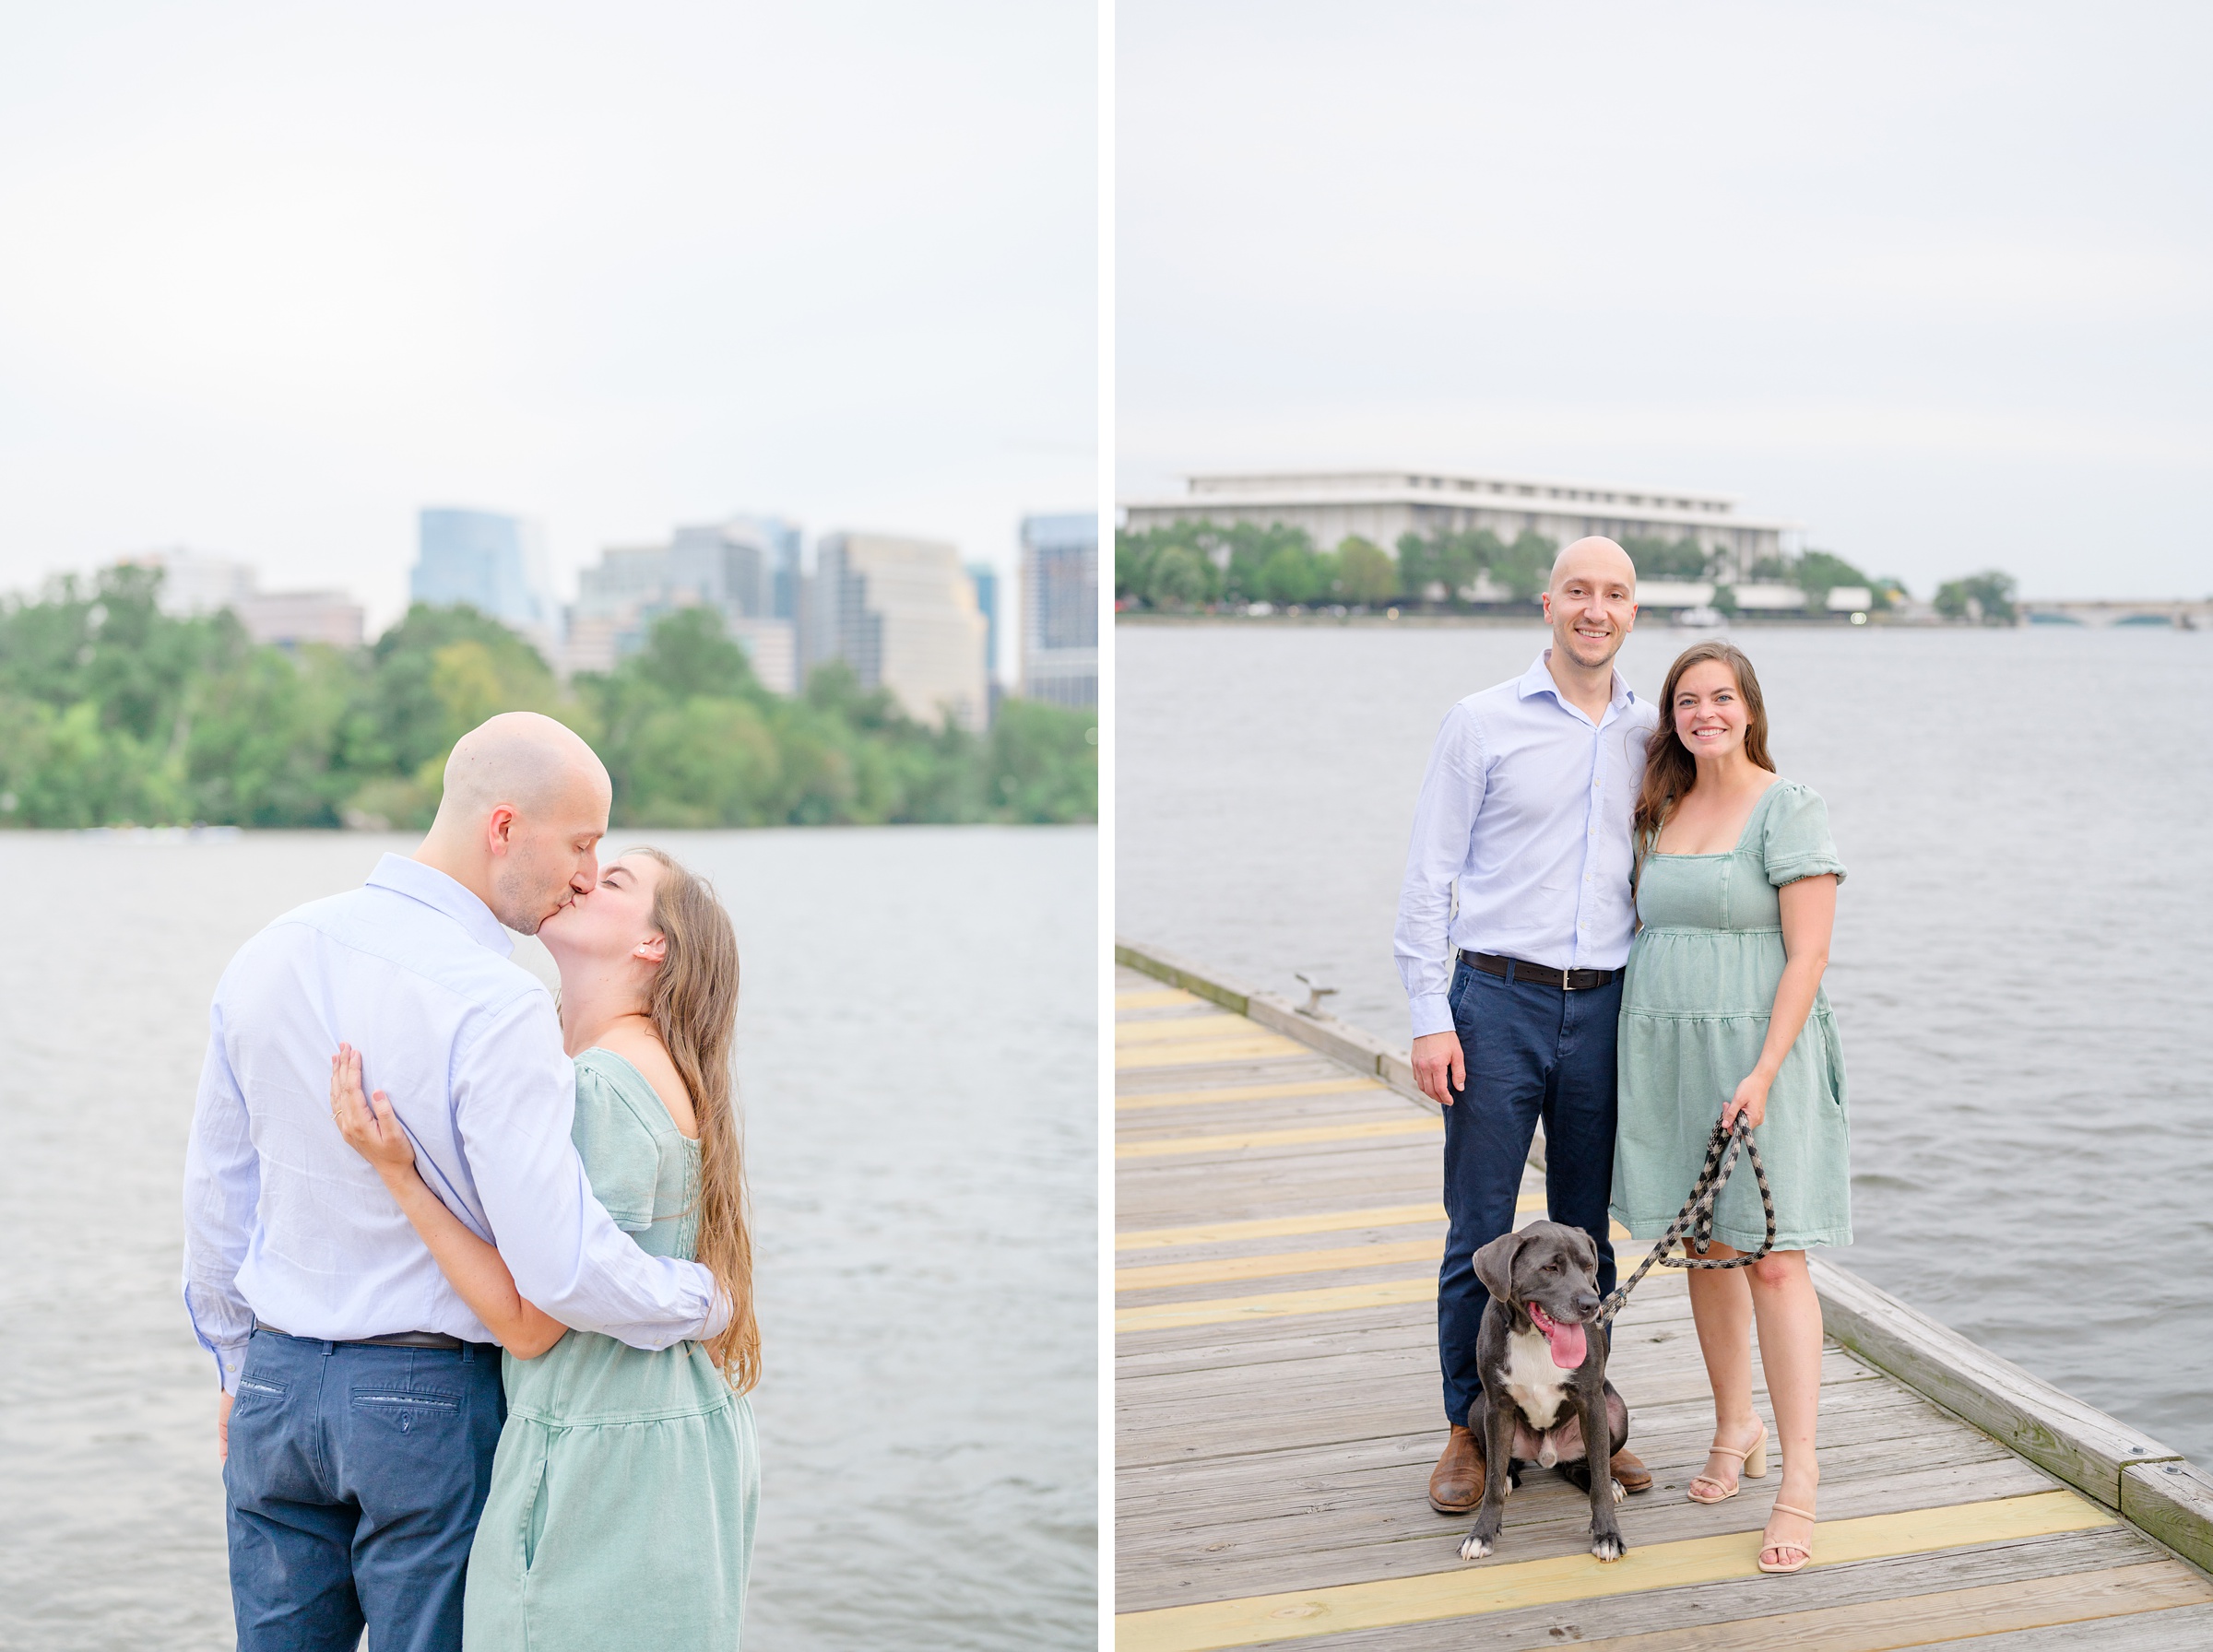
[[2179, 612]]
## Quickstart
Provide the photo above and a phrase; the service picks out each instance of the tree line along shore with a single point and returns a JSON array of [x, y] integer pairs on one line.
[[1194, 566], [113, 713]]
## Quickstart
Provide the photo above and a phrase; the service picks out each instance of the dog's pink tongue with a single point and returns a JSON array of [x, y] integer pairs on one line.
[[1567, 1341]]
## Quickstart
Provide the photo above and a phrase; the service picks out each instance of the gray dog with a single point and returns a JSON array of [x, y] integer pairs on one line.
[[1544, 1389]]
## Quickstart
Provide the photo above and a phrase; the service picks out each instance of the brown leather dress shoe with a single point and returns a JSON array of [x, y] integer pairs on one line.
[[1632, 1475], [1456, 1483]]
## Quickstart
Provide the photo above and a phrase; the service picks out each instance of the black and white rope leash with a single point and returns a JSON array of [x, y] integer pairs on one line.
[[1697, 1215]]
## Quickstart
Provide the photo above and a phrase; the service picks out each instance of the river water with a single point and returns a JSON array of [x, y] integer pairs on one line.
[[918, 1068], [2021, 970]]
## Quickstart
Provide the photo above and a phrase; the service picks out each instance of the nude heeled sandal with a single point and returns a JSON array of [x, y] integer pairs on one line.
[[1754, 1460], [1805, 1550]]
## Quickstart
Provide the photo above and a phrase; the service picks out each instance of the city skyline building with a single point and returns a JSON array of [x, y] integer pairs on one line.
[[986, 579], [903, 613], [746, 568], [194, 583], [495, 563], [1381, 505], [1061, 610]]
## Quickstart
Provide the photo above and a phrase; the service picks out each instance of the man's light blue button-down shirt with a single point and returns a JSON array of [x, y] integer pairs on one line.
[[283, 1220], [1524, 815]]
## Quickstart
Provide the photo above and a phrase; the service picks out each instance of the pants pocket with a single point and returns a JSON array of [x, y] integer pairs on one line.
[[406, 1410]]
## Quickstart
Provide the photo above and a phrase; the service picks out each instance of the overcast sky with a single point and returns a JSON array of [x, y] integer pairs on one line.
[[1932, 280], [273, 277]]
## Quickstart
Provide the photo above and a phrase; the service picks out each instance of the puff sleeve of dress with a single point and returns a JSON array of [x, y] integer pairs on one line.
[[1794, 840]]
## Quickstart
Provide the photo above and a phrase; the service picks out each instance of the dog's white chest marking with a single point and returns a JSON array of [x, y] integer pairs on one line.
[[1538, 1386]]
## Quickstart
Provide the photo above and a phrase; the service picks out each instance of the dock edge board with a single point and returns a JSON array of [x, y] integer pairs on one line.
[[2153, 1487], [1362, 1050]]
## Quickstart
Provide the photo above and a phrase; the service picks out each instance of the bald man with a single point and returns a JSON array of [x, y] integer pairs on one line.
[[1514, 924], [360, 1398]]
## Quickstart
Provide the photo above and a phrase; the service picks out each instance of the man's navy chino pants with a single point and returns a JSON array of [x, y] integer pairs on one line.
[[1534, 1052], [355, 1477]]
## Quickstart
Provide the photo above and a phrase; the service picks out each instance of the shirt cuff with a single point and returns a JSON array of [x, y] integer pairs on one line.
[[230, 1359], [1432, 1013], [717, 1320]]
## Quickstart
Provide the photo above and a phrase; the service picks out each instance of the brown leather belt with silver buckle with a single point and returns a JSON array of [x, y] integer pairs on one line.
[[1514, 969], [437, 1340]]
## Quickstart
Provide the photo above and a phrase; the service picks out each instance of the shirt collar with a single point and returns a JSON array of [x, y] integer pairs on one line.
[[1537, 679], [442, 893]]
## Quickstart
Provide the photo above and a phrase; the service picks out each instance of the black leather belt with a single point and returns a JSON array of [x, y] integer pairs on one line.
[[1514, 969], [437, 1340]]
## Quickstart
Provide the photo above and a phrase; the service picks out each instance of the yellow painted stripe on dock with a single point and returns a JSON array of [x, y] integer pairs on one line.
[[1475, 1589], [1260, 1046], [1177, 1028], [1248, 1092], [1274, 1265], [1284, 1304], [1276, 1304], [1894, 1621], [1277, 1227], [1369, 1131], [1155, 997]]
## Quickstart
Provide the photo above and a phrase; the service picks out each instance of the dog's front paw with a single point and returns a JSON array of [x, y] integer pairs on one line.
[[1609, 1546], [1474, 1548], [1620, 1491]]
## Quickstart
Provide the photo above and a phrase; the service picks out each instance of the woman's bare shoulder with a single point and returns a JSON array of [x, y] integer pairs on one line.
[[638, 1046]]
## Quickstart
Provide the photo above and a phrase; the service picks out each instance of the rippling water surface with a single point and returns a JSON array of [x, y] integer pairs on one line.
[[918, 1068], [2021, 970]]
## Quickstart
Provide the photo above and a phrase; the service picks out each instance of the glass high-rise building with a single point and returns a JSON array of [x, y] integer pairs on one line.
[[1061, 610], [986, 579], [494, 563]]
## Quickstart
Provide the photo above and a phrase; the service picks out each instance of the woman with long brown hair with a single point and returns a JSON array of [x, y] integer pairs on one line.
[[1722, 1013], [622, 1498]]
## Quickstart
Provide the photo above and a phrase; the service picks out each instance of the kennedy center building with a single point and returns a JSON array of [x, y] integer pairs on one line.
[[1381, 505]]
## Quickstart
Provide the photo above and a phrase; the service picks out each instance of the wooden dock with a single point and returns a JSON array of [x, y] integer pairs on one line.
[[1277, 1411]]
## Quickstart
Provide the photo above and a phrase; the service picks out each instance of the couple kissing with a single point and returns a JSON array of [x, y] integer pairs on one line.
[[475, 1268]]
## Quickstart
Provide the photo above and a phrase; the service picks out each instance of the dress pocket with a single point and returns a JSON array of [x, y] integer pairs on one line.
[[1832, 1061], [534, 1512]]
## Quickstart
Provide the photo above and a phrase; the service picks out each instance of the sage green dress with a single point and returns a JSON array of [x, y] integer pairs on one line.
[[1701, 981], [624, 1489]]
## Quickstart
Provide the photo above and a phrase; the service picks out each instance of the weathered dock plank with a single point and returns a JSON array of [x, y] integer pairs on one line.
[[1276, 1414]]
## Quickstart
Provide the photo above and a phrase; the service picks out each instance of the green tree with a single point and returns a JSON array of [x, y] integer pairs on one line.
[[1526, 564], [1290, 573], [1438, 568], [706, 762], [1178, 566], [1043, 762], [113, 712], [1365, 572], [1666, 559], [263, 731], [1247, 553], [1988, 596], [424, 690], [1178, 577]]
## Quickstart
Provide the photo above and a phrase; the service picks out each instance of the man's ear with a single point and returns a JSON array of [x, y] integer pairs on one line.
[[499, 829], [1495, 1265]]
